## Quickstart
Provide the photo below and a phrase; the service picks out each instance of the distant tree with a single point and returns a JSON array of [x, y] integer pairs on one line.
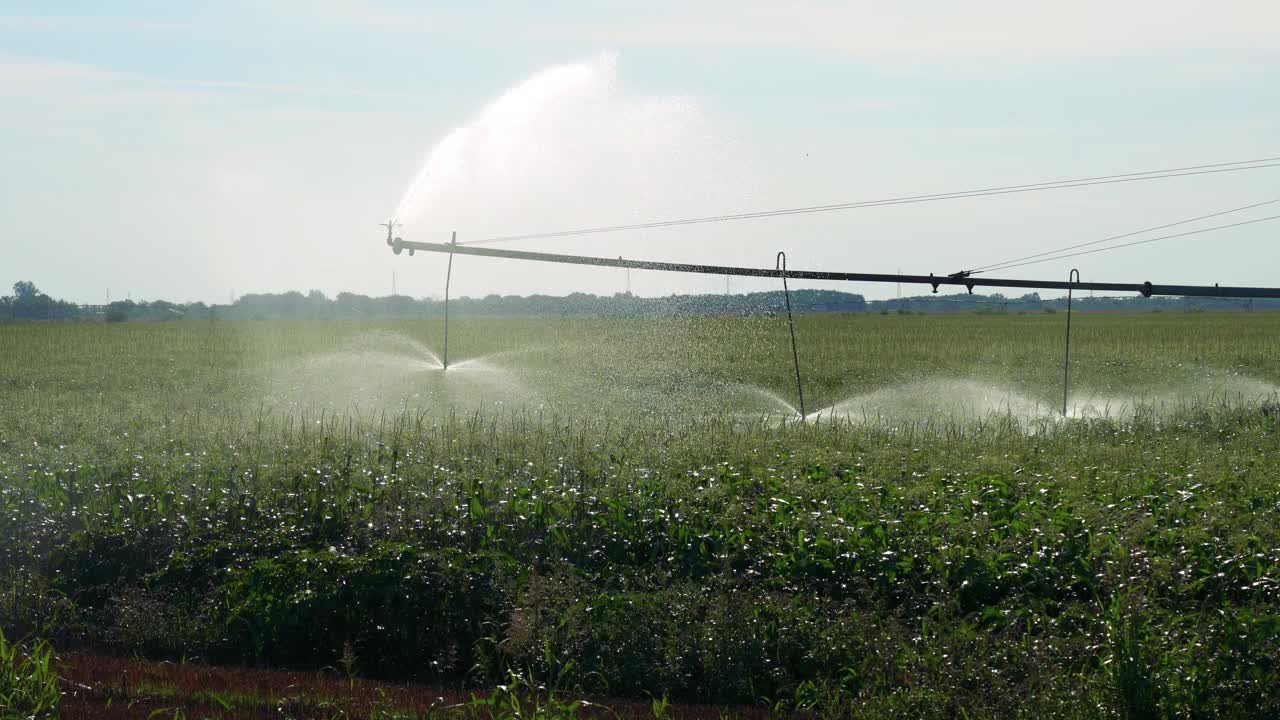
[[25, 291], [350, 305], [318, 306], [29, 303], [120, 310]]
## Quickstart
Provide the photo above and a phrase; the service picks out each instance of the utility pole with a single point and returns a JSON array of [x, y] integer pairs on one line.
[[393, 282]]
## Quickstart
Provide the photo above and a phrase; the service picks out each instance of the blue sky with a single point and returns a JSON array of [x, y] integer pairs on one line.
[[194, 150]]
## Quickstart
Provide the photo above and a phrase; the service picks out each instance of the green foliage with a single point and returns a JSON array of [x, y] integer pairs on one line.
[[28, 681], [393, 604], [518, 698], [940, 567]]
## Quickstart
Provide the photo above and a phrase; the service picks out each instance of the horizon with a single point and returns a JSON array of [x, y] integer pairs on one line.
[[945, 302]]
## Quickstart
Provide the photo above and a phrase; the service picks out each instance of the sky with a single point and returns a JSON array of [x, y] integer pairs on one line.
[[199, 151]]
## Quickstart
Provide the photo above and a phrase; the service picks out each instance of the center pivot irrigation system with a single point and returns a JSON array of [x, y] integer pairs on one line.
[[965, 279]]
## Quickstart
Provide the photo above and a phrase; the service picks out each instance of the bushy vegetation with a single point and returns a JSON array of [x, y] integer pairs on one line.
[[993, 568]]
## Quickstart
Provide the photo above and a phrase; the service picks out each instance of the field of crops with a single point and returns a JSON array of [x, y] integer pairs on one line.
[[631, 508]]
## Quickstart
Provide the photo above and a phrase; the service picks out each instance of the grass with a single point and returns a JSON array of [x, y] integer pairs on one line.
[[308, 495]]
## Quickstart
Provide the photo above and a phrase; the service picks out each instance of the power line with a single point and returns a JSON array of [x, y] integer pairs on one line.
[[1142, 242], [1237, 166], [1011, 263]]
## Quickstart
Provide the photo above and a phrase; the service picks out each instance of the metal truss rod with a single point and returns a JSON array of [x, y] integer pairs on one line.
[[791, 324], [1146, 289]]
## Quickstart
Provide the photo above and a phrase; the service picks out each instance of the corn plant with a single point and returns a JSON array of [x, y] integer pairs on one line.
[[28, 681]]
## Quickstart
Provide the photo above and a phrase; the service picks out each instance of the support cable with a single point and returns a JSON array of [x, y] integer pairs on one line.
[[1010, 263], [1141, 242], [981, 192]]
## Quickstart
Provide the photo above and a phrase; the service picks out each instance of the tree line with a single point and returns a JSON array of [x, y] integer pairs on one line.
[[29, 303]]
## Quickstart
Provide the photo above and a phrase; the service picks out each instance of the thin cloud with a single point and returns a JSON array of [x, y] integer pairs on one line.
[[96, 84], [872, 30], [366, 15], [21, 68], [984, 28], [88, 23], [286, 88]]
